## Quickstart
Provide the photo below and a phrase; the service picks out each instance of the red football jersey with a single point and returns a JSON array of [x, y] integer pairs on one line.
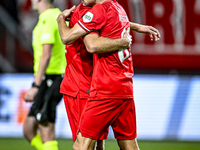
[[113, 71], [78, 72]]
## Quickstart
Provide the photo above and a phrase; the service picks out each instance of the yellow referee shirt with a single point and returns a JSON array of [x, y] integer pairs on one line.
[[46, 32]]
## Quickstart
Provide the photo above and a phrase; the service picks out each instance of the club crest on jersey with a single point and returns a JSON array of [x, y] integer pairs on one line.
[[88, 17]]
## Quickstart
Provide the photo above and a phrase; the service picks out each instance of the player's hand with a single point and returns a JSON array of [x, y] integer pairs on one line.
[[30, 94], [66, 13], [128, 37], [69, 17], [153, 32]]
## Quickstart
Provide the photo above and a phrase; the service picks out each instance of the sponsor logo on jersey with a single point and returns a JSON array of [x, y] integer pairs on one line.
[[88, 17]]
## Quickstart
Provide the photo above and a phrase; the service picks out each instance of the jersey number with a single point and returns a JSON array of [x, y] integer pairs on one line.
[[123, 53]]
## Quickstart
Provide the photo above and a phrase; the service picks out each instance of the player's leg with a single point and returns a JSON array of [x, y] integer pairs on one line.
[[30, 128], [31, 125], [48, 136], [97, 116], [71, 106], [47, 132], [128, 144], [47, 128], [124, 127], [100, 145], [74, 107], [30, 133], [83, 143]]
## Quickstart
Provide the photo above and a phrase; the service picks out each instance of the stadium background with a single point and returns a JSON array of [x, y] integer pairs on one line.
[[167, 73]]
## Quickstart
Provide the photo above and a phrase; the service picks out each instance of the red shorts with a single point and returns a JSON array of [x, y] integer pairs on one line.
[[74, 107], [98, 115]]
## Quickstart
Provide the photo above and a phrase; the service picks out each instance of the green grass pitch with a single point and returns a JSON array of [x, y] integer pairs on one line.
[[66, 144]]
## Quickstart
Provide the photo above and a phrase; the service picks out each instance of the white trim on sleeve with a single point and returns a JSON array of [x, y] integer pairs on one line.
[[84, 26]]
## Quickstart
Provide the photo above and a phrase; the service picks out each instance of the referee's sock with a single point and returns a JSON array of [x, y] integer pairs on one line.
[[37, 142], [50, 145]]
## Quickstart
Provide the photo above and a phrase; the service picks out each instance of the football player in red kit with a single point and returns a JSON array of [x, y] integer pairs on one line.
[[111, 94], [75, 86]]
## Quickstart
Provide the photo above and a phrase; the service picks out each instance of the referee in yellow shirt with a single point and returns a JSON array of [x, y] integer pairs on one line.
[[49, 66]]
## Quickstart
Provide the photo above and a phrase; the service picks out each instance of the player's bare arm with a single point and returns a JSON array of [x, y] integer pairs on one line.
[[68, 35], [153, 32], [96, 44], [44, 62]]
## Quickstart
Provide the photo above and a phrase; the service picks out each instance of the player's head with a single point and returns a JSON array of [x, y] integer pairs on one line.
[[89, 2]]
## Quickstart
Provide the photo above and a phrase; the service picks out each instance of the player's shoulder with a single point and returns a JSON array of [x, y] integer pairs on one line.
[[50, 14], [98, 9], [77, 10], [107, 5], [81, 7], [98, 6]]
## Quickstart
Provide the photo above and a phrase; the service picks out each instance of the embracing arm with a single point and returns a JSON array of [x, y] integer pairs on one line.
[[69, 35], [96, 44], [153, 32]]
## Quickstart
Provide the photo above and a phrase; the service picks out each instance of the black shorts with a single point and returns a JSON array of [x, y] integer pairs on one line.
[[47, 98]]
